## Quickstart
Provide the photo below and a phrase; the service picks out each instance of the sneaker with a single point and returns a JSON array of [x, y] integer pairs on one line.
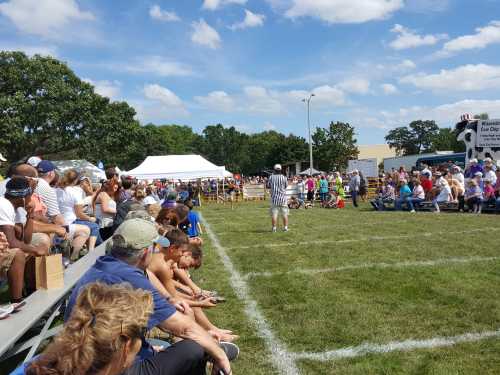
[[412, 211], [285, 229], [274, 229], [232, 351]]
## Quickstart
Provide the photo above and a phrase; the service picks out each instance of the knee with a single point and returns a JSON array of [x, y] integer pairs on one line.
[[193, 351], [19, 258]]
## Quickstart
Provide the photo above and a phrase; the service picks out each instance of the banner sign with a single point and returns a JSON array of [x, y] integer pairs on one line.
[[368, 167], [488, 133]]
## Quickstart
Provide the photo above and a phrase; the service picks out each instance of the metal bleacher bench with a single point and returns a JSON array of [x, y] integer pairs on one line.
[[38, 305]]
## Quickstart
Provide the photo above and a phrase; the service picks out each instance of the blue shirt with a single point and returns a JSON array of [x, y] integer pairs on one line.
[[404, 191], [110, 270], [193, 221]]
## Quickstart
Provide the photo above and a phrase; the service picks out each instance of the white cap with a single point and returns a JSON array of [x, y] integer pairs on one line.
[[34, 161], [473, 160], [480, 174], [148, 200], [2, 158], [277, 167]]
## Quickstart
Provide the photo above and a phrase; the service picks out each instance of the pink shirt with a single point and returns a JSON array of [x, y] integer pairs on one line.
[[489, 191], [310, 185]]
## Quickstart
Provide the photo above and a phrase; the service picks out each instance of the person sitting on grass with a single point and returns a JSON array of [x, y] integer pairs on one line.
[[131, 250], [12, 262], [404, 193], [417, 195], [444, 195], [162, 266]]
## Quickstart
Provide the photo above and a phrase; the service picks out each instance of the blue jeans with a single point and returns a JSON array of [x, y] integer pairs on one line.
[[497, 204], [398, 204], [354, 196], [94, 229], [412, 201]]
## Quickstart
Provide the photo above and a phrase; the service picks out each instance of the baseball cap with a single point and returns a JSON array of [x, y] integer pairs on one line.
[[277, 167], [135, 234], [473, 160], [480, 174], [148, 200], [34, 161], [45, 166], [2, 158], [18, 187], [162, 241]]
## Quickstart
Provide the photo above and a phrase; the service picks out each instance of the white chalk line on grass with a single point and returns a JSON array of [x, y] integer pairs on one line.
[[364, 239], [281, 357], [420, 263], [407, 345]]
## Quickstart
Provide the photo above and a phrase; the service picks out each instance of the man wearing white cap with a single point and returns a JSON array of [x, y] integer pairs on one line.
[[277, 186]]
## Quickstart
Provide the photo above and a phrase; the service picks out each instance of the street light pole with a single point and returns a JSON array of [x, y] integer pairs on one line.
[[308, 101]]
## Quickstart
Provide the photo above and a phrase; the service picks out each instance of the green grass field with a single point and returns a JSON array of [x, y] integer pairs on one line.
[[357, 279]]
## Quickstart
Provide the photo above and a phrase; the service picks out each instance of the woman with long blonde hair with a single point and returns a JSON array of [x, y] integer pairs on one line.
[[102, 336]]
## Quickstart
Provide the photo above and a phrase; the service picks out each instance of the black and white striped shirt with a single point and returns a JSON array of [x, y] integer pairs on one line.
[[277, 185]]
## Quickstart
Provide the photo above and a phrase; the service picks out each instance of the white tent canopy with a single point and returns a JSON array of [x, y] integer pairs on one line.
[[176, 167], [83, 167]]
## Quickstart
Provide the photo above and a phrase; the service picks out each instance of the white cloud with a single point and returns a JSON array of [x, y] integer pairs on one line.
[[464, 78], [157, 13], [408, 38], [389, 89], [444, 115], [215, 4], [260, 100], [31, 50], [159, 66], [217, 101], [343, 11], [205, 35], [327, 95], [109, 89], [162, 94], [406, 65], [356, 86], [51, 19], [483, 37], [251, 20]]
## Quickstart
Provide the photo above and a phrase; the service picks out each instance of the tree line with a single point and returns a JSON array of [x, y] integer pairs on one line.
[[46, 110]]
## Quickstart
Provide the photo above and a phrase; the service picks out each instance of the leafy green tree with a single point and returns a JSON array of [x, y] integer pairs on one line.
[[414, 139], [334, 146], [446, 140]]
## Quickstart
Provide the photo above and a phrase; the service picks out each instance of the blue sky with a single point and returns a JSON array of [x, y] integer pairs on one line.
[[377, 64]]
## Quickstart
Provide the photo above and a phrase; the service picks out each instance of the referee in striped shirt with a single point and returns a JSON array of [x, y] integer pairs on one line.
[[277, 185]]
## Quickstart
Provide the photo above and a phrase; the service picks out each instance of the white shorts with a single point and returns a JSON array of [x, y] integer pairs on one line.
[[275, 210]]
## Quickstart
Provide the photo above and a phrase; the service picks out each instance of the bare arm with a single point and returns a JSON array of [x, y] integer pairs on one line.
[[10, 233], [186, 280], [105, 207], [183, 327], [41, 227], [82, 215]]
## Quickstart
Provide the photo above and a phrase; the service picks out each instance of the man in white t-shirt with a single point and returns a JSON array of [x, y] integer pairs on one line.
[[444, 194], [19, 234], [458, 175]]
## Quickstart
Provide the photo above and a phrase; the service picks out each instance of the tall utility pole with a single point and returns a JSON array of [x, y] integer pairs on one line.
[[308, 101]]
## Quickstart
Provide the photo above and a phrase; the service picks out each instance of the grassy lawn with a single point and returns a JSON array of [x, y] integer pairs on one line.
[[366, 300]]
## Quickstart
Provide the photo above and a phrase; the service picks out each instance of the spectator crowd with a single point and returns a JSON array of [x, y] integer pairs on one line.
[[141, 287]]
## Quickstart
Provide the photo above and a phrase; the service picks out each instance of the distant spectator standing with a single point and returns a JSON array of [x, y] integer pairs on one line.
[[301, 187], [277, 185], [323, 189], [310, 189], [354, 184]]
